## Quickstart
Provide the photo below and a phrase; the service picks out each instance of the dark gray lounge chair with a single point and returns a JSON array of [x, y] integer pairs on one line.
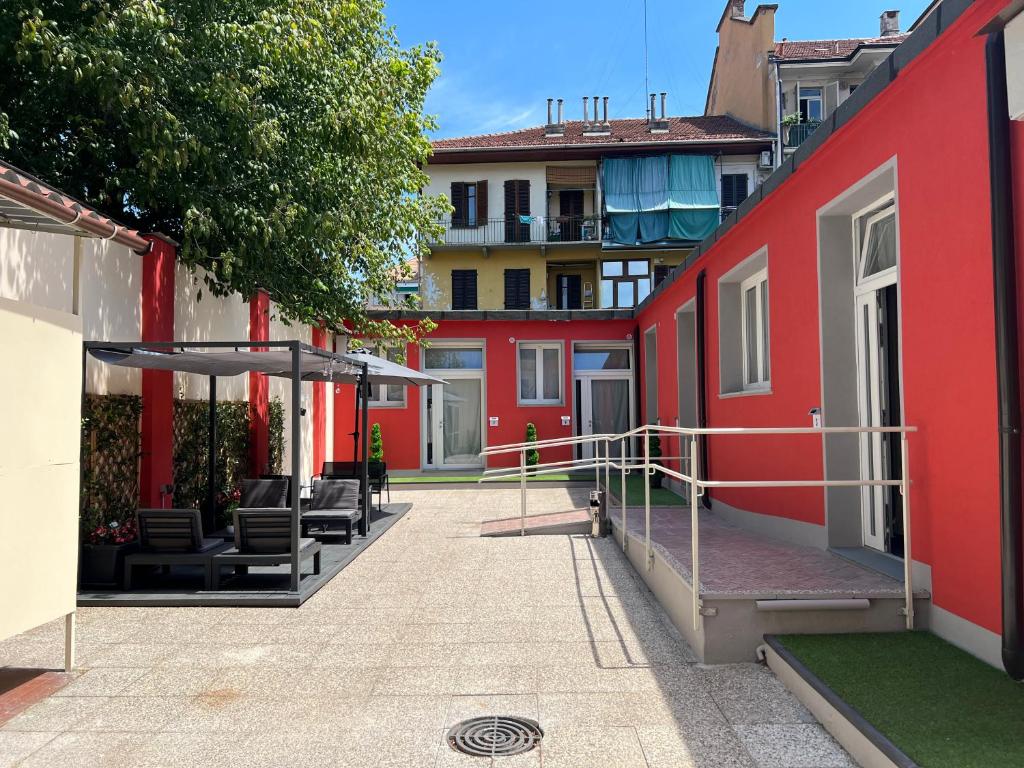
[[333, 501], [377, 472], [172, 537], [264, 493], [263, 537]]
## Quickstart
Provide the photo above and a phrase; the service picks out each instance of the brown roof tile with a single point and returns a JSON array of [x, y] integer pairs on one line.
[[830, 49], [626, 131]]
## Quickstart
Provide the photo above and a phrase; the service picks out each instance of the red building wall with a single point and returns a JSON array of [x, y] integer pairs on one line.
[[932, 121], [401, 427]]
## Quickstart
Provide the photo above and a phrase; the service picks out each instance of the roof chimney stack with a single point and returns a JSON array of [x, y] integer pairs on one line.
[[596, 127], [651, 115], [657, 124], [889, 24], [604, 123], [737, 9], [663, 97], [586, 112], [557, 128]]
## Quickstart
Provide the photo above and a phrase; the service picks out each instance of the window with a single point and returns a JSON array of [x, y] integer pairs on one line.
[[517, 211], [463, 289], [661, 272], [387, 395], [734, 191], [624, 284], [469, 201], [586, 358], [454, 358], [569, 292], [876, 241], [754, 325], [517, 289], [743, 350], [810, 105], [540, 374]]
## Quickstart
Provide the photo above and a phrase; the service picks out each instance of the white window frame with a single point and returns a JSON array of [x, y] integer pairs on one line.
[[881, 209], [538, 347], [762, 327], [382, 350], [820, 98]]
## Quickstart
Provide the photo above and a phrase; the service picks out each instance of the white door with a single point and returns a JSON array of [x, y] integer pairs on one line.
[[871, 389], [875, 302], [453, 412], [604, 406]]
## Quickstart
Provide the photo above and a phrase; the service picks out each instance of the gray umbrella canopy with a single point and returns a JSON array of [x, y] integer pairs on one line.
[[313, 365]]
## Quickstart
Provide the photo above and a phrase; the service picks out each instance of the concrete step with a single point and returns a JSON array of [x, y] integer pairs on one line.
[[551, 524]]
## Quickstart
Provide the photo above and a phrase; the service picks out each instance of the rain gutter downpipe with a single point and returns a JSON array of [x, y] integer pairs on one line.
[[1007, 356], [702, 376]]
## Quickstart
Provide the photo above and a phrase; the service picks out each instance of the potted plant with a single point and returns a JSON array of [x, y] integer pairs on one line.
[[654, 451], [103, 552], [788, 122], [532, 455], [376, 444]]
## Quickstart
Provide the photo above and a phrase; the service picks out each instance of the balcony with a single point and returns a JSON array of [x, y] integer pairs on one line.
[[797, 134], [521, 230]]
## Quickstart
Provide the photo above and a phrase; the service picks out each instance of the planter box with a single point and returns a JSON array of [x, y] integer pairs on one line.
[[102, 565]]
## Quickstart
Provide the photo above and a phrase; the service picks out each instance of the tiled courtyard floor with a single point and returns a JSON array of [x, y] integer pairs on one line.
[[432, 624]]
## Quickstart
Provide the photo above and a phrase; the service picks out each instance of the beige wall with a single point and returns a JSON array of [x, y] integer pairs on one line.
[[743, 80], [40, 409], [436, 277], [110, 280], [282, 388], [210, 318]]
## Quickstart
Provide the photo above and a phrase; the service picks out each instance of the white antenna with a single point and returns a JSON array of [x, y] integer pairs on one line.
[[650, 114]]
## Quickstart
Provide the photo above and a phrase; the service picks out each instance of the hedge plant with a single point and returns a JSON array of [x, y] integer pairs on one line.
[[111, 446]]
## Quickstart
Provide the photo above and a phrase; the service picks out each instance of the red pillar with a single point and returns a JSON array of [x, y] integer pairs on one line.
[[157, 464], [259, 390], [319, 409]]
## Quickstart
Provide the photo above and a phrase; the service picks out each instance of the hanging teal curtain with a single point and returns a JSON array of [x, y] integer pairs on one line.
[[652, 194], [636, 198], [692, 197], [620, 198]]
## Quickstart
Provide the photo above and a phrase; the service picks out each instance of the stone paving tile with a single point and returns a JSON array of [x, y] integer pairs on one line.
[[15, 746], [708, 747], [793, 746], [749, 694], [430, 625], [103, 681]]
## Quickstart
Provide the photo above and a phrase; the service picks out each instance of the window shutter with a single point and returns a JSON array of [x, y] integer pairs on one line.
[[734, 189], [459, 204], [517, 289], [463, 289], [481, 203], [523, 197]]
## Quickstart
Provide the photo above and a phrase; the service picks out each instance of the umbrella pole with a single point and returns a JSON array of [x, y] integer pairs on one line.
[[209, 518], [364, 392], [355, 421]]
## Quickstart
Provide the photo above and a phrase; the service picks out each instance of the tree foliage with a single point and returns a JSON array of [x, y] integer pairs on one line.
[[376, 443], [280, 141]]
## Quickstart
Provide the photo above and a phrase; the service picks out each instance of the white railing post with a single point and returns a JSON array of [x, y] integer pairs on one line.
[[622, 492], [607, 466], [597, 465], [647, 498], [908, 560], [522, 492], [694, 533]]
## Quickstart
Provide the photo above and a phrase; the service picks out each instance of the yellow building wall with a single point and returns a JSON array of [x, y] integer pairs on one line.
[[436, 279], [40, 409], [743, 79]]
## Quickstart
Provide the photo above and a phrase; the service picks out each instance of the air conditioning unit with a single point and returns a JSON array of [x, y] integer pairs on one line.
[[765, 160]]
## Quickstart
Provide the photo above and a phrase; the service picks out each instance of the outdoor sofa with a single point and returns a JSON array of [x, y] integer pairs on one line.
[[172, 537], [377, 471], [334, 501], [263, 537]]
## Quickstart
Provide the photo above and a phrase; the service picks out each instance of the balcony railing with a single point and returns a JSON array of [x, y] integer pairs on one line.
[[514, 230], [798, 134]]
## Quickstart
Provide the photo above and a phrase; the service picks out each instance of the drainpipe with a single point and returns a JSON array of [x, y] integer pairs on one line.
[[778, 116], [702, 370], [1007, 357]]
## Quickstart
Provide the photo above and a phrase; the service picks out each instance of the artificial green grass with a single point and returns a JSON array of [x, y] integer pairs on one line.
[[660, 497], [941, 706]]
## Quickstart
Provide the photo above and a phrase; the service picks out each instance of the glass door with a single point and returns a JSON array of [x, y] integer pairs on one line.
[[453, 412], [461, 422]]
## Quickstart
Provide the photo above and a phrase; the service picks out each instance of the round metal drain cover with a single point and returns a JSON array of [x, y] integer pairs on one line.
[[495, 736]]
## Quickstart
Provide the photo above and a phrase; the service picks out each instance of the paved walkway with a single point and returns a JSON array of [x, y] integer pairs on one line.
[[432, 624]]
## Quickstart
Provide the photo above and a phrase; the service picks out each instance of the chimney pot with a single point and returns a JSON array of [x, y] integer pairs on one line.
[[663, 97], [889, 24], [652, 114], [586, 112], [560, 120], [605, 122], [550, 102], [596, 120], [737, 9]]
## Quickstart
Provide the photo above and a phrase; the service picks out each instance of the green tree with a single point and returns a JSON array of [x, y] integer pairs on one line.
[[376, 444], [281, 142], [533, 455]]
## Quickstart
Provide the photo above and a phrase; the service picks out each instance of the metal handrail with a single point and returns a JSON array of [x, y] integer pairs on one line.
[[698, 485]]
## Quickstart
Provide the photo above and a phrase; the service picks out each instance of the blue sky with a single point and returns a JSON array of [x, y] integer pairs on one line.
[[502, 60]]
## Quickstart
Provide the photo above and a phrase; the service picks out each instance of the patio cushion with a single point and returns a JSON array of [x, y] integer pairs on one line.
[[264, 493], [170, 530], [335, 494]]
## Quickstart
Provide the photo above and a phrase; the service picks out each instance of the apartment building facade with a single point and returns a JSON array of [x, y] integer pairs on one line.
[[789, 87]]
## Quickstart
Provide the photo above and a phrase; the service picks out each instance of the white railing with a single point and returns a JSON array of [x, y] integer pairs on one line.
[[689, 475]]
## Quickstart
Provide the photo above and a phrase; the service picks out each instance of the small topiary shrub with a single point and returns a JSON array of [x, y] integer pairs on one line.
[[533, 455], [376, 444]]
